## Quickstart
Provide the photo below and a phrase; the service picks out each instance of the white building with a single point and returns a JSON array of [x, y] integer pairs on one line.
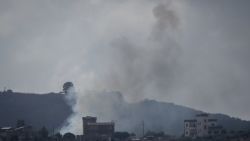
[[190, 128], [201, 126]]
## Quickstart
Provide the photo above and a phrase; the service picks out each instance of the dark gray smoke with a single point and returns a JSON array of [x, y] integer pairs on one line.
[[137, 69], [190, 53], [146, 67]]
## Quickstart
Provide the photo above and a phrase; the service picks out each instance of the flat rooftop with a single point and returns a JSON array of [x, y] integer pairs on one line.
[[102, 123]]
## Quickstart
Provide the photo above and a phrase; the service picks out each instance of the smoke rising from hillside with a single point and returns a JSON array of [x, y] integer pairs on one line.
[[136, 69], [191, 53]]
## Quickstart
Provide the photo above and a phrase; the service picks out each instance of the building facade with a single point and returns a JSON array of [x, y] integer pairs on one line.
[[202, 126], [98, 131], [190, 128]]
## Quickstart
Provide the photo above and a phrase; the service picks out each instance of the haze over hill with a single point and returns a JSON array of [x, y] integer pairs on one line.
[[51, 110], [38, 110], [193, 53]]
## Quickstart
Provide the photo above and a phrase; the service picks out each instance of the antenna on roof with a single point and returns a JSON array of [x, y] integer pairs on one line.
[[142, 128]]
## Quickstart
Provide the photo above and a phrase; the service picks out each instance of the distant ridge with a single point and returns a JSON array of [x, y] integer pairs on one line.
[[51, 110], [38, 110], [157, 116]]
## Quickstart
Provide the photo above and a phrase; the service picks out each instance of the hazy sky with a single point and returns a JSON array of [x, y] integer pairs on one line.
[[193, 53]]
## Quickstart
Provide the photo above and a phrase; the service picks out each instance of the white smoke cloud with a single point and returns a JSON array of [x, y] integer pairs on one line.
[[134, 68]]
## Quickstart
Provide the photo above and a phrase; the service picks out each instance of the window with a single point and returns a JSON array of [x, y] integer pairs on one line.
[[186, 124], [205, 127], [192, 125]]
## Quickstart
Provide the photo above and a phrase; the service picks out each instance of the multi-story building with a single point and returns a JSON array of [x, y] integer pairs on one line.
[[20, 133], [190, 128], [201, 126], [93, 130]]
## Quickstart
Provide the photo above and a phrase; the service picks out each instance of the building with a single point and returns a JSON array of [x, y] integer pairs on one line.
[[20, 133], [98, 131], [190, 128], [202, 126]]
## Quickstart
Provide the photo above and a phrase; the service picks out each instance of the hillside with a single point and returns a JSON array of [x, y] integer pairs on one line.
[[157, 116], [38, 110], [51, 110]]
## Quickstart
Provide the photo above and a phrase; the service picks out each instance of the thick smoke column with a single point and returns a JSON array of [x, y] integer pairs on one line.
[[192, 53], [70, 93], [70, 98], [135, 68], [145, 65]]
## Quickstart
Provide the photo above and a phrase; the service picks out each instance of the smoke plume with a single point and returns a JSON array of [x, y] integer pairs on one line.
[[135, 68], [191, 53]]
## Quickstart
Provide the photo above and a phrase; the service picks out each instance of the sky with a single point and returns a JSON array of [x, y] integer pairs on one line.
[[192, 53]]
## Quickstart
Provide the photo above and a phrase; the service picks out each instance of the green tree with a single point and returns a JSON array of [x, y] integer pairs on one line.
[[69, 137], [67, 86], [9, 91], [20, 123], [58, 135], [121, 135], [43, 132]]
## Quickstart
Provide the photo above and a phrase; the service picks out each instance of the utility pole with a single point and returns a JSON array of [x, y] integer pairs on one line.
[[53, 132], [143, 129]]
